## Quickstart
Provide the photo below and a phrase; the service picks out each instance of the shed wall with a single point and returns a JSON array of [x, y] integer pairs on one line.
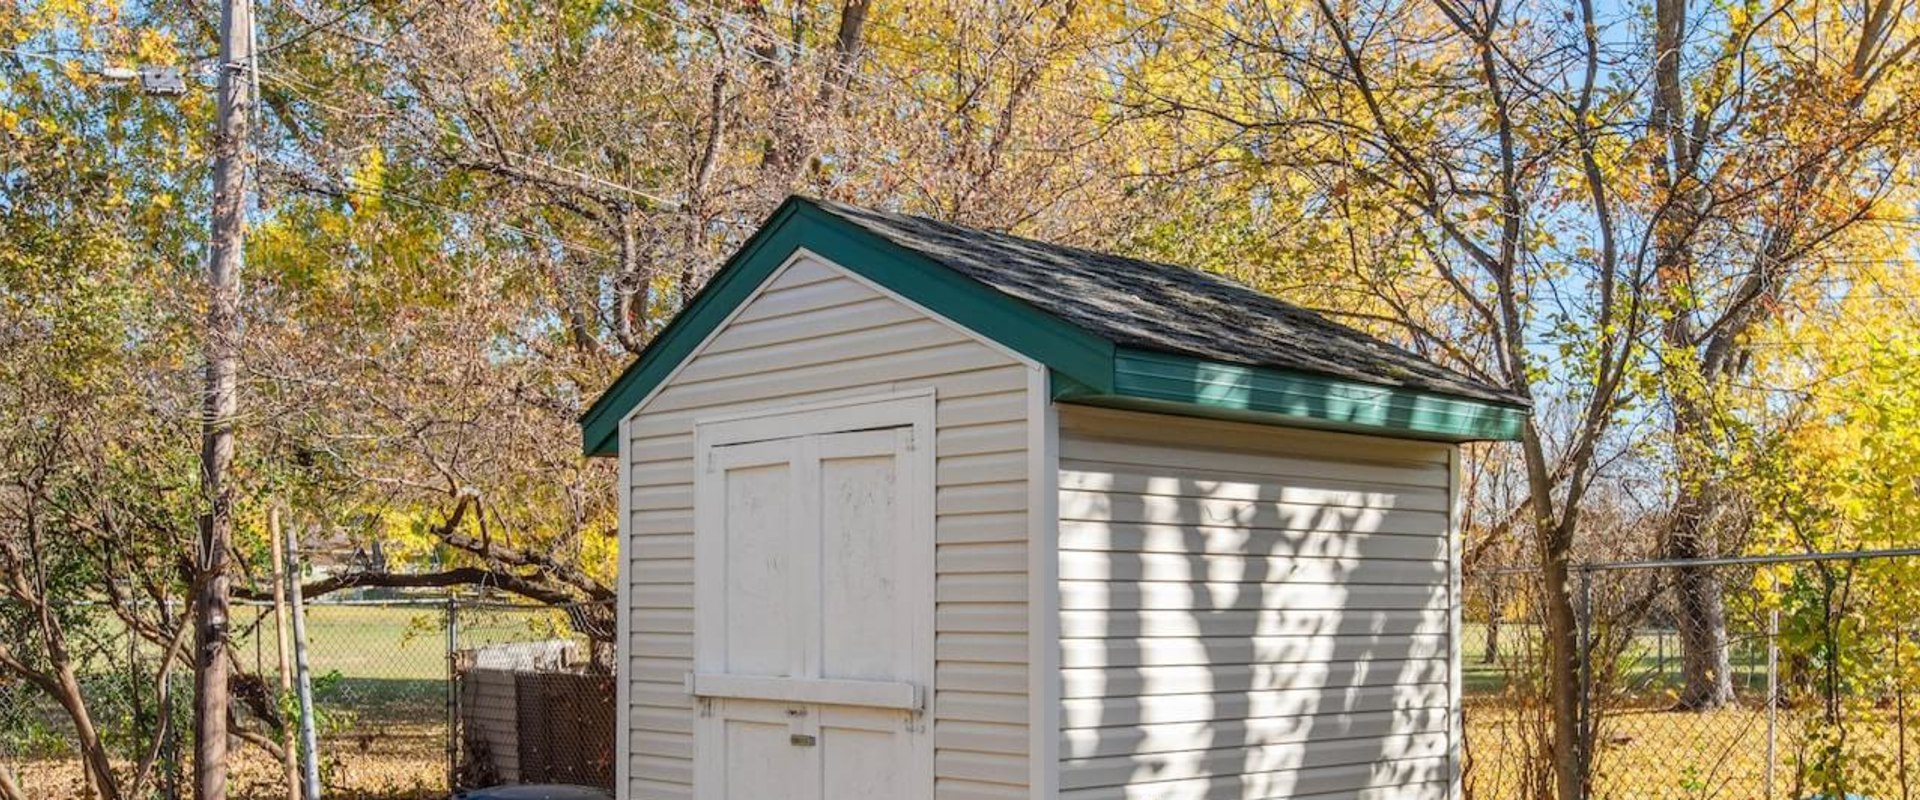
[[814, 333], [489, 710], [1249, 612]]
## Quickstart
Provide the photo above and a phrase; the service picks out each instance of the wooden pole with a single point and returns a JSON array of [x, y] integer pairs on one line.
[[219, 404], [288, 742]]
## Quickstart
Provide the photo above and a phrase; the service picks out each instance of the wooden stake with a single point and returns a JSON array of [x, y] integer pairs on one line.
[[288, 738]]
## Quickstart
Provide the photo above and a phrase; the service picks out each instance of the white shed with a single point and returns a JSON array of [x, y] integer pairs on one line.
[[916, 511]]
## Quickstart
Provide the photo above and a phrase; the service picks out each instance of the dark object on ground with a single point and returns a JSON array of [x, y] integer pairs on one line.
[[536, 791]]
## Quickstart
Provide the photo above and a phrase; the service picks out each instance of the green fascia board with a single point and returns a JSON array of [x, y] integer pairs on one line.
[[1066, 350], [1170, 383]]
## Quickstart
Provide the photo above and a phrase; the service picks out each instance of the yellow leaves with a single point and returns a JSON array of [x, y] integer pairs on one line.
[[1770, 581], [151, 47], [370, 172], [405, 535]]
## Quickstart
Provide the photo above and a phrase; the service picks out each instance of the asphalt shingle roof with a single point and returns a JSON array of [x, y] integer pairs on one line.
[[1165, 308]]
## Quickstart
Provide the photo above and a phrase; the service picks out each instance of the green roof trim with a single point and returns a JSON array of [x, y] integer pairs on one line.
[[1196, 387], [1083, 367]]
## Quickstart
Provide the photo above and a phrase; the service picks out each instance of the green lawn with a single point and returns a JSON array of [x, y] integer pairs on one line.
[[388, 662], [1651, 663]]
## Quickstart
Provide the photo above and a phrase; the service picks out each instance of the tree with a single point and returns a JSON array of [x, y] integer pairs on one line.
[[1830, 466], [1773, 134], [1437, 126]]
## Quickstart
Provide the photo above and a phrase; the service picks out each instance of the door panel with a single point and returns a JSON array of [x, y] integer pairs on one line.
[[761, 761], [861, 754], [759, 582], [813, 561], [861, 621]]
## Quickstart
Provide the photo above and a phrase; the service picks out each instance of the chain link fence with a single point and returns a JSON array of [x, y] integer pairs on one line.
[[405, 690], [1768, 677], [1787, 677]]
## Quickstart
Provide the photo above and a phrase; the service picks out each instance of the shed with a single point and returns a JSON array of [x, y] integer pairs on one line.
[[912, 511]]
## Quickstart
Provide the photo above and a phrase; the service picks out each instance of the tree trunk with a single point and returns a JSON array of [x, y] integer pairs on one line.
[[1706, 667], [1563, 675], [93, 751], [211, 693], [1491, 655], [1496, 602], [1561, 637]]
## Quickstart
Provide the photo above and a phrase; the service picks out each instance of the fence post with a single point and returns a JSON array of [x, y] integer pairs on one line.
[[1584, 745], [170, 783], [302, 672], [453, 694], [1773, 684]]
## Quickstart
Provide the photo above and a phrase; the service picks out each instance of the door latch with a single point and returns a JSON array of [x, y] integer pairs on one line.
[[801, 740]]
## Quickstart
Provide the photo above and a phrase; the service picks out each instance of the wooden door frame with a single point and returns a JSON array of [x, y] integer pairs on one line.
[[913, 409]]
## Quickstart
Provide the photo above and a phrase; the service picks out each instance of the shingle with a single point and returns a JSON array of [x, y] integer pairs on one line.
[[1165, 308]]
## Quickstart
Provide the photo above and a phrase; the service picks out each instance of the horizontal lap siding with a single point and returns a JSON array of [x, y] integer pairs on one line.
[[1248, 613], [812, 335]]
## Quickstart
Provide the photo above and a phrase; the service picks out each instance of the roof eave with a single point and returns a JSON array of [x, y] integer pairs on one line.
[[1169, 383]]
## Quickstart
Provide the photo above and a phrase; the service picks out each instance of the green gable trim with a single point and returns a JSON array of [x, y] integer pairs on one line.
[[1065, 350], [1163, 382]]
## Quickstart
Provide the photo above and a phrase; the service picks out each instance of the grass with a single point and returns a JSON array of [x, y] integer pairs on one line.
[[1650, 663]]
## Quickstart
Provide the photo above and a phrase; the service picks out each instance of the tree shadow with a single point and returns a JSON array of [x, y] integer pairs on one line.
[[1264, 638]]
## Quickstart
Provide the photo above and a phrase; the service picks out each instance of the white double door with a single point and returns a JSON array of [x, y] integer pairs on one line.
[[813, 621]]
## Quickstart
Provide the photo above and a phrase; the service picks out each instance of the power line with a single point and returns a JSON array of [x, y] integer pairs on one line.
[[326, 25], [53, 57]]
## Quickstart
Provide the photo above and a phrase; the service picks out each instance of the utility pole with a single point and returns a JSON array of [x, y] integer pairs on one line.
[[222, 351]]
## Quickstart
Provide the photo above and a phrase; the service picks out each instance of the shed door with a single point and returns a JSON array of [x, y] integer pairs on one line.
[[814, 618]]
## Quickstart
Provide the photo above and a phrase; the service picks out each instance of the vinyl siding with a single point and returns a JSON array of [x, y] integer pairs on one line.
[[489, 708], [1249, 612], [813, 333]]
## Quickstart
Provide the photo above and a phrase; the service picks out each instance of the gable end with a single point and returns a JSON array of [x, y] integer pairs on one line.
[[1063, 348]]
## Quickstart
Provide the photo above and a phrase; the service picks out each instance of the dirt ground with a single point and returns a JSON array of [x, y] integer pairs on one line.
[[388, 761]]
